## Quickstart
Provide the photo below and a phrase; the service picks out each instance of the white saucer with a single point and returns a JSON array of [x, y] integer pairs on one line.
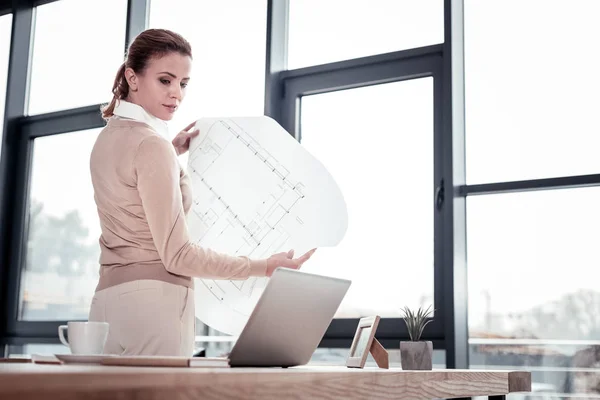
[[82, 358]]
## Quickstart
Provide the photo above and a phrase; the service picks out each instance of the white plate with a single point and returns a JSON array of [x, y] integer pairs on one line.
[[82, 358]]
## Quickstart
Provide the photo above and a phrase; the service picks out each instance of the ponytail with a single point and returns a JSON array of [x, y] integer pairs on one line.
[[120, 90]]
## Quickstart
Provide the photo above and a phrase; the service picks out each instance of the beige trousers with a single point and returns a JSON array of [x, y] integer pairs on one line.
[[147, 317]]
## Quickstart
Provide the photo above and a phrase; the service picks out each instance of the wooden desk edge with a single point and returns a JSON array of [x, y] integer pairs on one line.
[[57, 377]]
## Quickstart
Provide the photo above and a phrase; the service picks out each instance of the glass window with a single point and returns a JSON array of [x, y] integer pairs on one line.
[[531, 90], [78, 48], [333, 30], [5, 28], [337, 356], [321, 356], [62, 247], [533, 285], [228, 41], [382, 159], [560, 370], [27, 350]]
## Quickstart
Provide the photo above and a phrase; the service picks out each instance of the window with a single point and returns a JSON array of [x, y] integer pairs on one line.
[[5, 28], [27, 350], [533, 285], [337, 356], [382, 159], [531, 90], [62, 259], [333, 30], [530, 108], [559, 370], [78, 48], [228, 41]]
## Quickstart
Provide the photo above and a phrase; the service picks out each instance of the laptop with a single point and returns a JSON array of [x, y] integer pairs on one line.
[[289, 320]]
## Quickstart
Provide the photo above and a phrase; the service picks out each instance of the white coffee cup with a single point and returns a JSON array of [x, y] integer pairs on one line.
[[84, 337]]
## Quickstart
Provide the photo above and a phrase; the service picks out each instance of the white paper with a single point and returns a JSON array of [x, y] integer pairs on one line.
[[256, 192]]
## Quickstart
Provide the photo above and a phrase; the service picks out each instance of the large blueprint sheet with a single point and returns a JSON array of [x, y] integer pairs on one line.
[[257, 192]]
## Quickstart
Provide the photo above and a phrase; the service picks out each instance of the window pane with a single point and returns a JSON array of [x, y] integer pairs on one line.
[[5, 28], [533, 274], [558, 369], [333, 30], [27, 350], [531, 90], [228, 41], [338, 356], [62, 248], [78, 48], [382, 159]]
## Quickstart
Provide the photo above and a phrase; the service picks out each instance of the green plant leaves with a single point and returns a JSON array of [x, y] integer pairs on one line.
[[416, 322]]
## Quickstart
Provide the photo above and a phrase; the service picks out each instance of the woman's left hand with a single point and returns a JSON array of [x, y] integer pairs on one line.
[[182, 140]]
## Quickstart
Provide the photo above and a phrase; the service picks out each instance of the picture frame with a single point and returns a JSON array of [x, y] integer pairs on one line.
[[364, 343]]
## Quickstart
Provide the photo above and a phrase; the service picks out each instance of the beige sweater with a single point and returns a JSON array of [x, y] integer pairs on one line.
[[142, 195]]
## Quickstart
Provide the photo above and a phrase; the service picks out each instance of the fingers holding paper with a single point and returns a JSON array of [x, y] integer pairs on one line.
[[181, 142]]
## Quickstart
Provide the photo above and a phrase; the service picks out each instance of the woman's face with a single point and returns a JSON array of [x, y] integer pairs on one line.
[[161, 87]]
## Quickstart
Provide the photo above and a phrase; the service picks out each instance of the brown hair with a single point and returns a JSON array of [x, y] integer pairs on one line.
[[151, 43]]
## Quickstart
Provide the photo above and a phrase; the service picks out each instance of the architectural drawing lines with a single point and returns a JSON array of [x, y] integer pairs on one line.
[[283, 196], [256, 192]]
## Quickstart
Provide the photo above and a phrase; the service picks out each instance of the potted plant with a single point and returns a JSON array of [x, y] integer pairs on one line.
[[416, 354]]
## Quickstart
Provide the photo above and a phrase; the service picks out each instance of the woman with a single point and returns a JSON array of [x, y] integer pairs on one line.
[[142, 195]]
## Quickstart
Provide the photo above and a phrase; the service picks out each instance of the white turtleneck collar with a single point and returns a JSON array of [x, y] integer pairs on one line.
[[125, 109]]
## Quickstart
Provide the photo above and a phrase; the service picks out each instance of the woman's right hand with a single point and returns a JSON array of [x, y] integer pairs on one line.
[[287, 260]]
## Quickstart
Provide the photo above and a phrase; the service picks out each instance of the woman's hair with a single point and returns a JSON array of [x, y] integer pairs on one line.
[[151, 43]]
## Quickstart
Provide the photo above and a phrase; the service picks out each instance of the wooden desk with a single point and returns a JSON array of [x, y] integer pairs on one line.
[[35, 381]]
